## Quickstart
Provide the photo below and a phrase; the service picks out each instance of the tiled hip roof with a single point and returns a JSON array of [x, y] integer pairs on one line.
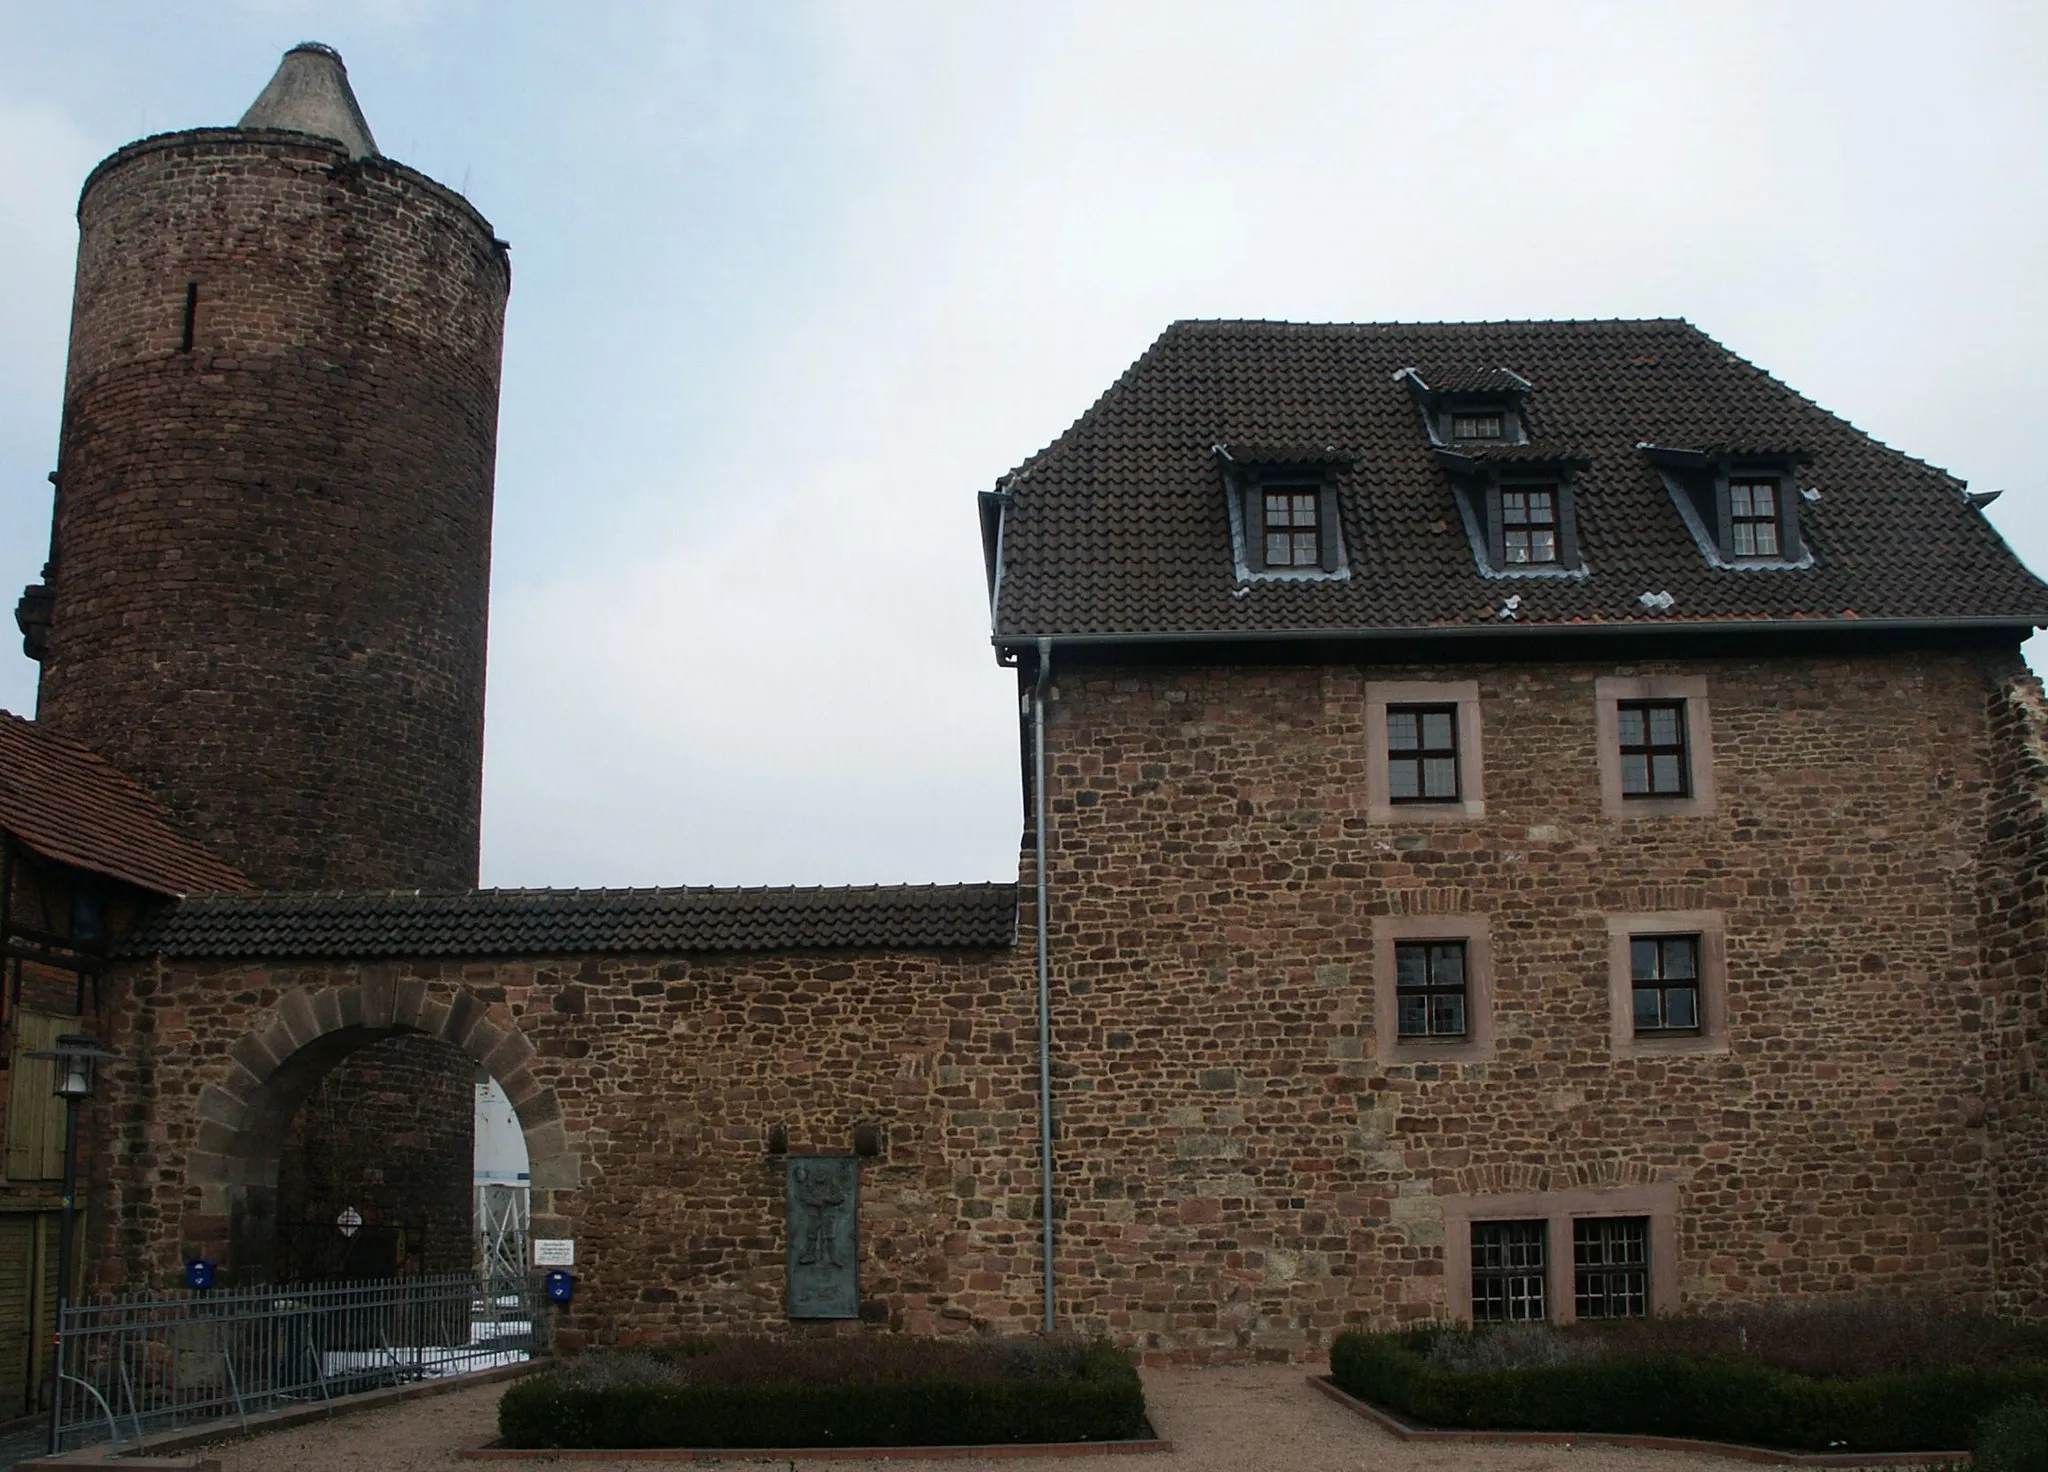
[[555, 922]]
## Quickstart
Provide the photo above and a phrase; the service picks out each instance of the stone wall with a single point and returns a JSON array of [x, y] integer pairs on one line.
[[273, 513], [390, 1132], [1247, 1164]]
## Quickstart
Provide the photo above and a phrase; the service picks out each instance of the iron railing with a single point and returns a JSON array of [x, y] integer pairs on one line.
[[135, 1368]]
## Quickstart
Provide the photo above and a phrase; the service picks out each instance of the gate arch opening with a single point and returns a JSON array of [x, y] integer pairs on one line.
[[260, 1168]]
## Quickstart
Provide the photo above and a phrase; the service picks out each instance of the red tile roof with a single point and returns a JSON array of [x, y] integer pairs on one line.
[[66, 804]]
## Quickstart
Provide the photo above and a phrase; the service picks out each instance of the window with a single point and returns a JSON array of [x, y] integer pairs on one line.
[[1293, 530], [1508, 1270], [1489, 426], [1652, 742], [1655, 746], [1610, 1267], [1429, 980], [1667, 979], [1432, 982], [1528, 525], [1753, 518], [1422, 753], [1664, 975], [1590, 1252]]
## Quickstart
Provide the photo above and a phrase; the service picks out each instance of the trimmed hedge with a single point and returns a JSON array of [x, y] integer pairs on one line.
[[1661, 1395], [1104, 1402], [2013, 1438]]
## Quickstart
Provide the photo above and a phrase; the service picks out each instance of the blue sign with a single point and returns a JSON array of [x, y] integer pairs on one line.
[[199, 1273], [561, 1286]]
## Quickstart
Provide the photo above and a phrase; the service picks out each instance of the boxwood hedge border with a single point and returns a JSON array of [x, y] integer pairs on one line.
[[1105, 1402], [1662, 1395]]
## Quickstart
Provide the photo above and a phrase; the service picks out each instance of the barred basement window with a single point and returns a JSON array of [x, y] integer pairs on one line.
[[1652, 736], [1611, 1267], [1293, 528], [1429, 988], [1528, 525], [1664, 971], [1753, 518], [1422, 753], [1507, 1272]]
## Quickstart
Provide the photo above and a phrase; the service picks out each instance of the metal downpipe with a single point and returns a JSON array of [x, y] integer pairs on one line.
[[1038, 823]]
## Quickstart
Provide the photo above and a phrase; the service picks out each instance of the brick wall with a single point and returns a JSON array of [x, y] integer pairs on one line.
[[1246, 1167], [272, 549], [389, 1131]]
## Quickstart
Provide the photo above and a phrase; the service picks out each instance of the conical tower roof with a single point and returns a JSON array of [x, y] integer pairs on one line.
[[310, 94]]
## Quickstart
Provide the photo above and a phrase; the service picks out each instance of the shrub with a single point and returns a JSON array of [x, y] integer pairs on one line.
[[1663, 1394], [879, 1390], [2013, 1438]]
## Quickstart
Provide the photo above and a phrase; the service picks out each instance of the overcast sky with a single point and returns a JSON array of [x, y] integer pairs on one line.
[[793, 281]]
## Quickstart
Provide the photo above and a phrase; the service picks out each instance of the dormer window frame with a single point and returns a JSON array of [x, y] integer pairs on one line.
[[1478, 488], [1702, 484], [1450, 408], [1246, 485]]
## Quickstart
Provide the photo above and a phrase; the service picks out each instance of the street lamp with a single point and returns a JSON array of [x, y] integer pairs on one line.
[[74, 1056]]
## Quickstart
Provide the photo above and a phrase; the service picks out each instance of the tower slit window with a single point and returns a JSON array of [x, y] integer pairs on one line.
[[191, 314]]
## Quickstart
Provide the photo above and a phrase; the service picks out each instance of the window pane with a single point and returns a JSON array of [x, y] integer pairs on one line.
[[1649, 1015], [1304, 510], [1665, 774], [1539, 507], [1276, 510], [1681, 954], [1403, 730], [1635, 774], [1276, 549], [1415, 1016], [1745, 538], [1767, 539], [1403, 777], [1436, 730], [1544, 547], [1642, 959], [1739, 502], [1765, 499], [1440, 777], [1447, 1014], [1514, 508], [1304, 549], [1663, 725], [1681, 1007], [1631, 724], [1515, 546], [1411, 965], [1447, 964]]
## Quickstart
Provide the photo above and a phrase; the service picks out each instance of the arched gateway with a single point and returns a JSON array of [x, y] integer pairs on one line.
[[245, 1112]]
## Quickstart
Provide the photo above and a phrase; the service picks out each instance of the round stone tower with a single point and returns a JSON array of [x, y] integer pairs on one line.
[[269, 568]]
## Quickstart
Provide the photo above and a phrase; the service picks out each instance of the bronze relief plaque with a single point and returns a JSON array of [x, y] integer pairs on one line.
[[824, 1236]]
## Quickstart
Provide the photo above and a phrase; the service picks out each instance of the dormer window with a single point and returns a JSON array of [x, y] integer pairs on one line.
[[1753, 518], [1739, 503], [1282, 504], [1484, 427], [1293, 526], [1528, 525]]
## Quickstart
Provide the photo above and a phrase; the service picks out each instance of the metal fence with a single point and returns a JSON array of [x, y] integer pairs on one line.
[[134, 1368]]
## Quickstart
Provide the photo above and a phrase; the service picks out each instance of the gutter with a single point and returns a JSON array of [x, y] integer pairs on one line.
[[1510, 631], [1044, 968]]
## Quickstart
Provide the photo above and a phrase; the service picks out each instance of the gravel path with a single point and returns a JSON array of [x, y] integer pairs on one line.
[[1220, 1420]]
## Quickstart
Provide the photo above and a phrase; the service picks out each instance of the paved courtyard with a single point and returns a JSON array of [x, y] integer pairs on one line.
[[1220, 1420]]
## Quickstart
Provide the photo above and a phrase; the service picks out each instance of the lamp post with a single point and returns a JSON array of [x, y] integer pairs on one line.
[[74, 1056]]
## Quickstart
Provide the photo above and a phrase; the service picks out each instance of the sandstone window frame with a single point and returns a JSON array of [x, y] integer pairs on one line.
[[1463, 695], [1710, 929], [1476, 1046], [1562, 1210], [1610, 693]]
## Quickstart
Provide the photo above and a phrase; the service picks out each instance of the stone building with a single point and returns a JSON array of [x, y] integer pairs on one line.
[[1524, 820]]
